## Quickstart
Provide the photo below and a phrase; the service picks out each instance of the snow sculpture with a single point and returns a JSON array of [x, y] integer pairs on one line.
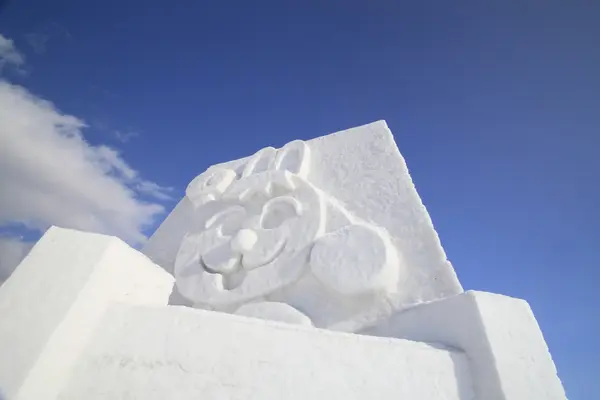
[[269, 229], [331, 229], [328, 233], [258, 239]]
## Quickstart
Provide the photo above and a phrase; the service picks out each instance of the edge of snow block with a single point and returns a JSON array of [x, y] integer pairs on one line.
[[145, 352], [508, 355], [164, 243], [53, 301]]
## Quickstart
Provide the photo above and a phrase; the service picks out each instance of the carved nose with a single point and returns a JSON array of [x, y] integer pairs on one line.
[[244, 240]]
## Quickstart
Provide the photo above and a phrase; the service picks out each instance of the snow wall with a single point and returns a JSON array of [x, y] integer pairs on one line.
[[87, 317]]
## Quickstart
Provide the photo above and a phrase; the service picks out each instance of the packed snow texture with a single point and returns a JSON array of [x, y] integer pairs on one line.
[[86, 316], [182, 353], [274, 311], [332, 226], [53, 301], [508, 355]]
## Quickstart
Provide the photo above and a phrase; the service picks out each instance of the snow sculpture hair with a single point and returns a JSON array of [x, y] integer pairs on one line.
[[274, 240]]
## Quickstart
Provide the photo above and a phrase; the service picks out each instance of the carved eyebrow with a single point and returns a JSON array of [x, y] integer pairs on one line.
[[223, 214]]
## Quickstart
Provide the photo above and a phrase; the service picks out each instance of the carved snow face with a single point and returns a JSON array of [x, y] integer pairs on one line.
[[266, 236], [259, 240]]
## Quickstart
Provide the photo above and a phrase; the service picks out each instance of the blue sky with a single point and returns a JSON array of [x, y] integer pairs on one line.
[[495, 108]]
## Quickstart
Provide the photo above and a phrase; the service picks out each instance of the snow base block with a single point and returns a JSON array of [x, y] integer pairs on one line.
[[52, 303], [154, 353], [508, 355], [87, 317]]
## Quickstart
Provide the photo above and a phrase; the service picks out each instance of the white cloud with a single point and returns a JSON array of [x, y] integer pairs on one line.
[[50, 175], [154, 190], [9, 55], [12, 251]]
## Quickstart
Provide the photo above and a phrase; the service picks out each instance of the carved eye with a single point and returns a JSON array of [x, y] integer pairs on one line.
[[228, 221], [259, 162], [294, 157], [278, 210]]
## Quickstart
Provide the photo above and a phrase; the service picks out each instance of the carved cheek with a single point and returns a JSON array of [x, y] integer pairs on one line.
[[208, 251], [193, 246], [191, 278], [356, 259]]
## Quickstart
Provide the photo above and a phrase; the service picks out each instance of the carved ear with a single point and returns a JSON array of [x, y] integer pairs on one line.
[[261, 161], [355, 260], [209, 185], [294, 157]]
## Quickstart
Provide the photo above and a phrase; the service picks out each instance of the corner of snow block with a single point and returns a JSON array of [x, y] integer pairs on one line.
[[508, 355], [520, 353], [51, 303]]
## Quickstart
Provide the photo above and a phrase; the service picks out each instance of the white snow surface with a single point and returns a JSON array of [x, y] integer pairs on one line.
[[274, 311], [355, 259], [86, 316], [331, 226], [508, 355], [180, 353], [53, 301]]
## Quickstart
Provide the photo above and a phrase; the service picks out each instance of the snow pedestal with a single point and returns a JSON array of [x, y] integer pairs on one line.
[[53, 302], [181, 353], [507, 353], [329, 263]]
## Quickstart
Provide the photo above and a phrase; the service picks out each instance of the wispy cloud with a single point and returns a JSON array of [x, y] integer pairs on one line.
[[50, 175], [39, 38], [38, 42], [125, 137], [10, 56], [153, 190], [12, 252]]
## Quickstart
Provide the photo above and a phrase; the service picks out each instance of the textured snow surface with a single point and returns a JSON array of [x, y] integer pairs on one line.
[[328, 233], [51, 304], [85, 317], [508, 355], [181, 353], [274, 311], [332, 226]]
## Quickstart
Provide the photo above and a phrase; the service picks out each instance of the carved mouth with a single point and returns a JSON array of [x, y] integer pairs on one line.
[[238, 271], [232, 265], [214, 271], [249, 264]]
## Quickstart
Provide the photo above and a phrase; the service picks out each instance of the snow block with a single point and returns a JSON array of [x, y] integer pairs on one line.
[[86, 316], [509, 358], [154, 353], [51, 304], [333, 227]]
